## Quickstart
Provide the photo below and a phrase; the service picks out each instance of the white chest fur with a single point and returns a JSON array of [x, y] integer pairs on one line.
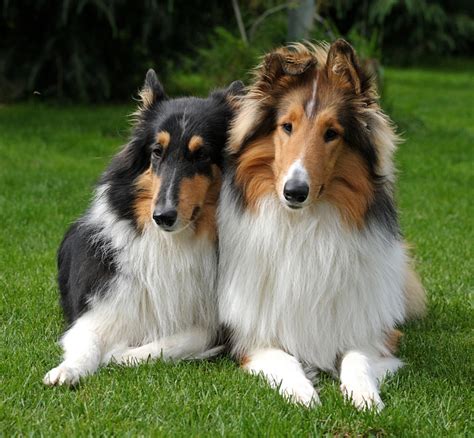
[[165, 283], [304, 282]]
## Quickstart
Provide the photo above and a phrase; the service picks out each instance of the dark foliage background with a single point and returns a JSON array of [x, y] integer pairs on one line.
[[94, 50]]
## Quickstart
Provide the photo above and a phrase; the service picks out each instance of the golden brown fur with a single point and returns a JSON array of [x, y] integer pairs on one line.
[[284, 83], [206, 223], [195, 143], [254, 171], [163, 138], [197, 200], [148, 186]]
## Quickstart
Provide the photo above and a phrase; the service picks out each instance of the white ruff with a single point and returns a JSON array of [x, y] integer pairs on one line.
[[165, 282], [161, 299], [304, 282]]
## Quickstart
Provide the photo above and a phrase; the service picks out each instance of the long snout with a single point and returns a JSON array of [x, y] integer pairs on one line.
[[296, 186]]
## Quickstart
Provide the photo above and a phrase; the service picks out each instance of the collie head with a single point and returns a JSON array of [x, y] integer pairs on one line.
[[168, 176], [310, 129]]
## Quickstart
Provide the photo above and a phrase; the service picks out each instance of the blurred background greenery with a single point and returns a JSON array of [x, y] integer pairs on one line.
[[98, 50]]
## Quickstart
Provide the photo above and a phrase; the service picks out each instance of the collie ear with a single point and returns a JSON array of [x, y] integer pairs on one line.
[[342, 65], [152, 90], [291, 61], [236, 88], [295, 62]]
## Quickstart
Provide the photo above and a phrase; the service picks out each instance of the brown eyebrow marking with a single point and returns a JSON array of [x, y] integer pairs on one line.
[[163, 138], [195, 143]]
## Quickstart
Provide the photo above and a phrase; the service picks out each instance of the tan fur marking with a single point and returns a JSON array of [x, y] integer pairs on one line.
[[342, 66], [195, 143], [147, 97], [163, 138], [206, 222], [289, 148], [392, 342], [200, 192], [244, 361], [192, 194], [320, 158], [254, 171], [350, 188], [147, 186]]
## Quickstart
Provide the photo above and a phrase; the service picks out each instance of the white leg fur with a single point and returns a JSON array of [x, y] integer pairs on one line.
[[186, 345], [82, 356], [284, 372], [360, 375]]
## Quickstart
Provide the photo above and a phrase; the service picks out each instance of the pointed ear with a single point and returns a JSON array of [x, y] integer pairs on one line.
[[295, 63], [236, 88], [152, 90], [285, 61], [342, 65], [292, 61]]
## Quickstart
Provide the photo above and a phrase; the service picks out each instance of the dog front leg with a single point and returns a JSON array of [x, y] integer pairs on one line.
[[283, 372], [191, 344], [360, 375], [82, 355]]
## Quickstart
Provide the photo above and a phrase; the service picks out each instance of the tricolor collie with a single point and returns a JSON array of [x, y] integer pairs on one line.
[[313, 271], [137, 273]]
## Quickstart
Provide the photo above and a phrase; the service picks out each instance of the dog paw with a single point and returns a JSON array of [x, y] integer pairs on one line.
[[302, 393], [62, 375], [363, 398]]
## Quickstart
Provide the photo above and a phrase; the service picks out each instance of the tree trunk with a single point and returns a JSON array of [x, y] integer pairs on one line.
[[300, 20]]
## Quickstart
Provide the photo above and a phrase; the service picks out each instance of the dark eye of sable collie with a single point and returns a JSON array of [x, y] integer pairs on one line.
[[287, 127], [330, 135]]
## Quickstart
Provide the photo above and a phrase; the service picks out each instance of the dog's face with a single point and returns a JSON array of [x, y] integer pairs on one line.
[[185, 139], [316, 122], [310, 141], [182, 170]]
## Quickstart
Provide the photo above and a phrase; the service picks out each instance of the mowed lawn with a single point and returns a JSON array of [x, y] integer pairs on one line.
[[49, 159]]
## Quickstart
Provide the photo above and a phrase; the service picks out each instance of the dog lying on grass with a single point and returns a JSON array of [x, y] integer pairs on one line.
[[313, 271], [137, 272]]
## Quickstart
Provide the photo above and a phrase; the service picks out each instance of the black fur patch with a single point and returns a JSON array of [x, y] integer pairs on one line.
[[87, 264], [382, 212], [182, 118]]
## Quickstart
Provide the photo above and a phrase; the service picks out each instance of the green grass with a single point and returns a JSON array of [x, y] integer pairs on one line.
[[49, 159]]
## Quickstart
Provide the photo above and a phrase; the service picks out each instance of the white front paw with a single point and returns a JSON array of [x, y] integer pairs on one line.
[[302, 393], [62, 375], [363, 397]]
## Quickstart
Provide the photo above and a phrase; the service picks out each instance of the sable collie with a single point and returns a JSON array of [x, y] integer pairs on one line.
[[137, 273], [313, 270]]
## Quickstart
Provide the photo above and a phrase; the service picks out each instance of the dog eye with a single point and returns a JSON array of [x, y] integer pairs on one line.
[[330, 135], [200, 155], [157, 151], [287, 127]]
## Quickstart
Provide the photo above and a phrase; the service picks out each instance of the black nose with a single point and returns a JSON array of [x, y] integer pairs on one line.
[[295, 191], [165, 219]]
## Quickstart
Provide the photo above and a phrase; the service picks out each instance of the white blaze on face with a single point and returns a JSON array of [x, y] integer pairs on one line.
[[297, 171], [312, 102]]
